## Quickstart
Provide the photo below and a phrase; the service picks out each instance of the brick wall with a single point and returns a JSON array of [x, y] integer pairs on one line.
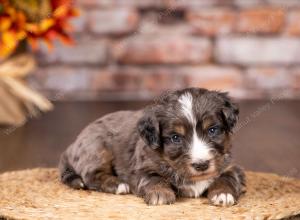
[[134, 49]]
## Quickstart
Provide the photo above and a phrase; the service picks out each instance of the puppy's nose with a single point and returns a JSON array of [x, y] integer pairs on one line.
[[201, 165]]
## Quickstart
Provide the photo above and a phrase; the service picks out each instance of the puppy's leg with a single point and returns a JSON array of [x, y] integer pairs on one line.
[[98, 174], [155, 190], [226, 190], [68, 174], [101, 179]]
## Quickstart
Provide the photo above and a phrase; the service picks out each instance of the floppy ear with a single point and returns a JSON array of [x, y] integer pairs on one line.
[[230, 111], [148, 127]]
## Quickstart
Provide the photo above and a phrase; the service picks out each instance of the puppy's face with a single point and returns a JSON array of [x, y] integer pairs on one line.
[[191, 129]]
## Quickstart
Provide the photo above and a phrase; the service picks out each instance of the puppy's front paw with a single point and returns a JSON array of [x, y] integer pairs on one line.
[[160, 197], [223, 199], [123, 188]]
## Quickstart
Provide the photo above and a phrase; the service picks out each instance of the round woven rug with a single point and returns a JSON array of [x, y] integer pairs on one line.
[[38, 194]]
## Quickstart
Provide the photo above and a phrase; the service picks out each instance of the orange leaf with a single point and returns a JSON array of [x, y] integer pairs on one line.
[[5, 51], [46, 24], [61, 11], [21, 34], [74, 12], [15, 26], [5, 23], [9, 43], [64, 25], [21, 19], [66, 39], [9, 38], [32, 28], [51, 35]]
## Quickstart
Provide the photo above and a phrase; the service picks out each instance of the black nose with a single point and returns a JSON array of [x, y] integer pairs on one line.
[[201, 165]]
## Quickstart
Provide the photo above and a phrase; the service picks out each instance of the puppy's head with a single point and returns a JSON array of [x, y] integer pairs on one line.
[[191, 129]]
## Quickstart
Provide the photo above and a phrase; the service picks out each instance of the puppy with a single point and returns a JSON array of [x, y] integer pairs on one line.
[[178, 146]]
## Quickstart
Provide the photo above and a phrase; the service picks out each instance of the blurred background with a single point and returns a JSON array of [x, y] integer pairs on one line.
[[77, 60]]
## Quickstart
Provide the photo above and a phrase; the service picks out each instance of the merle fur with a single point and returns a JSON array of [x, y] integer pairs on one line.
[[133, 147]]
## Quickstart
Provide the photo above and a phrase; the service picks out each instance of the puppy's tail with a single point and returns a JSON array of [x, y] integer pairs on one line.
[[68, 175]]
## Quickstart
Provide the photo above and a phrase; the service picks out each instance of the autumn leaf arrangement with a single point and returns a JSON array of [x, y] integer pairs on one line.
[[34, 20], [27, 22]]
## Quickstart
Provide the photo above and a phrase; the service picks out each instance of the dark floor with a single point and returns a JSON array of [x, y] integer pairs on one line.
[[267, 138]]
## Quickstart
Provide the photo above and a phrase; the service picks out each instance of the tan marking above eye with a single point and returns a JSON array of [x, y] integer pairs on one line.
[[208, 122], [179, 129]]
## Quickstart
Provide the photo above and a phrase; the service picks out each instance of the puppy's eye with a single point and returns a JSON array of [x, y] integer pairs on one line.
[[176, 139], [214, 131]]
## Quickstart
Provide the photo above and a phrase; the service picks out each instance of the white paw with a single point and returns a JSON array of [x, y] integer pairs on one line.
[[123, 188], [223, 199]]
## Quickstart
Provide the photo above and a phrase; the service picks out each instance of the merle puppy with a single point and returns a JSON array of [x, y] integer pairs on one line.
[[179, 146]]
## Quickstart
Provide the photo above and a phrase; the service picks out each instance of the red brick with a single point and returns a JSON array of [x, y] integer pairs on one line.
[[152, 81], [169, 4], [128, 78], [113, 21], [155, 28], [260, 20], [163, 50], [200, 4], [267, 78], [85, 50], [139, 3], [286, 4], [248, 3], [212, 21], [61, 79], [293, 24], [254, 65], [257, 50], [129, 82], [115, 81], [122, 3], [152, 23], [214, 77], [95, 3]]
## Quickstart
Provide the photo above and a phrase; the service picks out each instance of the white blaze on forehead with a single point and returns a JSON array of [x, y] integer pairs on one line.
[[200, 149], [186, 101]]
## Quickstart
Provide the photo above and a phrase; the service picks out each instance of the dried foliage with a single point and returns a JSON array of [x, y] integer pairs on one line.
[[34, 20]]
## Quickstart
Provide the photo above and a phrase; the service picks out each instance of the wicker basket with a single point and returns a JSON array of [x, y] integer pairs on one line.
[[38, 194]]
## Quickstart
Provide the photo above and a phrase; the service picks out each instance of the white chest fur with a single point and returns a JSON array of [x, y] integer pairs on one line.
[[195, 190]]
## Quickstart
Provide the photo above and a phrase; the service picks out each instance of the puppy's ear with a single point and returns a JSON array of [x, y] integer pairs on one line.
[[148, 127], [230, 111]]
